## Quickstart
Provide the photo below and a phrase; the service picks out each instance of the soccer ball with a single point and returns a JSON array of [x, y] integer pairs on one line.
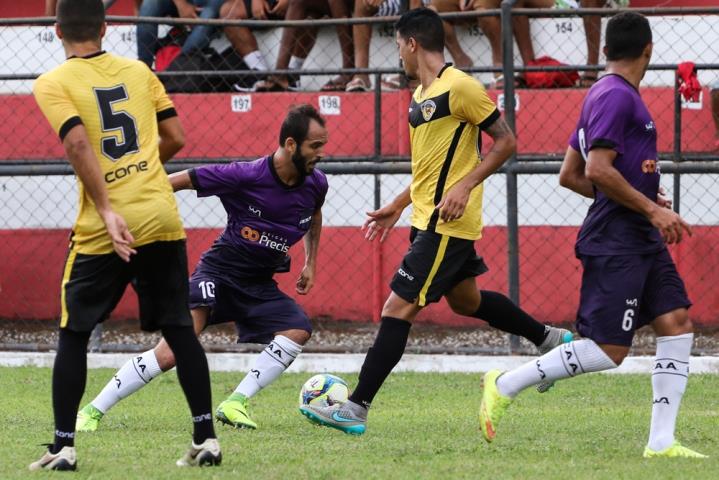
[[324, 389]]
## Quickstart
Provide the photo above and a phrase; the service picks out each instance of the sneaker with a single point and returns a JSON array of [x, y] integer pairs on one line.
[[675, 451], [88, 419], [207, 454], [65, 459], [233, 412], [555, 337], [493, 405], [347, 417]]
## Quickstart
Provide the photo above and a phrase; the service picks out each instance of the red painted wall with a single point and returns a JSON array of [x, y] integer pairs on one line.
[[354, 288], [544, 122]]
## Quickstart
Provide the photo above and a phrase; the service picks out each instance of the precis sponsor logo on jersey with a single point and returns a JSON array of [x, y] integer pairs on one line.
[[269, 240]]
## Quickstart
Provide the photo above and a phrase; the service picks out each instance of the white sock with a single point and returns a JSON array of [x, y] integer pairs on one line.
[[132, 376], [296, 63], [269, 365], [567, 360], [255, 60], [669, 380]]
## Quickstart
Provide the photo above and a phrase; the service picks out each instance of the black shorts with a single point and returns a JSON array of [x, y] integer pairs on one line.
[[93, 284], [434, 265]]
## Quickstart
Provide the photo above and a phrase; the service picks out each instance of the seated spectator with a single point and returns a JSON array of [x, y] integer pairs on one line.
[[491, 26], [242, 38], [296, 44], [199, 38], [51, 6], [362, 34]]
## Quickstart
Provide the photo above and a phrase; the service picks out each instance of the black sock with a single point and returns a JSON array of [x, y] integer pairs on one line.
[[381, 358], [501, 313], [194, 376], [68, 384]]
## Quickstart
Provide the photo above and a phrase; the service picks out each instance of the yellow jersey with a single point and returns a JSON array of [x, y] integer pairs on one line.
[[119, 101], [444, 124]]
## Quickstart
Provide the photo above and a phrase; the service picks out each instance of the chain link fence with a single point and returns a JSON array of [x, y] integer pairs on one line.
[[530, 221]]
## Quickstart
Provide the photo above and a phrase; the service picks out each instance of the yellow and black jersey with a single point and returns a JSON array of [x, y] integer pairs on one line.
[[445, 122], [119, 101]]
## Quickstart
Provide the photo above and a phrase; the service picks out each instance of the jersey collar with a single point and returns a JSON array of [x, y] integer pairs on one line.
[[446, 66], [273, 171], [92, 55]]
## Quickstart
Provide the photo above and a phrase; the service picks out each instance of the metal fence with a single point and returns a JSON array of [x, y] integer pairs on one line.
[[531, 221]]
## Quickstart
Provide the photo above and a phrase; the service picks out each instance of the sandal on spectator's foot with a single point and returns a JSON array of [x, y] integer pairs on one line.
[[357, 85], [498, 82], [271, 84], [337, 84], [391, 83]]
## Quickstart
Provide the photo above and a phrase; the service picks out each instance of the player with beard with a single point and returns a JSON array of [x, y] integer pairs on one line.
[[271, 204]]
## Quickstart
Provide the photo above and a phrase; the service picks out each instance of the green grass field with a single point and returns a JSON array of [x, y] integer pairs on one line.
[[421, 426]]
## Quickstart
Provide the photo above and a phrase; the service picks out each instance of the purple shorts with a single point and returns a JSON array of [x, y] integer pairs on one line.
[[622, 293], [259, 309]]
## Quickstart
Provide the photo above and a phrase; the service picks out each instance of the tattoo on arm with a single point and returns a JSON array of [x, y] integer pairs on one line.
[[498, 129]]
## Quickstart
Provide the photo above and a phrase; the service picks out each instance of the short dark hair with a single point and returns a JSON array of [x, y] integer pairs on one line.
[[80, 20], [425, 26], [628, 34], [297, 123]]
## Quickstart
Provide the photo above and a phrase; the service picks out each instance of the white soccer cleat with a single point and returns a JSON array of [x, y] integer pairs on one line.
[[65, 459], [207, 454]]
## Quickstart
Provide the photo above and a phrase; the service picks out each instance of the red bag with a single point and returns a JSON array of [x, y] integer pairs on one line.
[[165, 56], [689, 85], [549, 79]]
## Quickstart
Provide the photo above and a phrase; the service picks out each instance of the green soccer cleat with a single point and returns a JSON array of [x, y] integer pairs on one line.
[[675, 451], [555, 337], [493, 405], [88, 419], [233, 412], [347, 417]]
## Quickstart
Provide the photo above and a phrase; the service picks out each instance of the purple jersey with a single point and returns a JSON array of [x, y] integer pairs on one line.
[[265, 217], [615, 117]]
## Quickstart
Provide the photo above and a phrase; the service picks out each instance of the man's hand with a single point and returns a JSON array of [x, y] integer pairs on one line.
[[306, 280], [663, 200], [374, 3], [260, 9], [186, 9], [670, 224], [280, 8], [381, 222], [119, 234], [452, 205]]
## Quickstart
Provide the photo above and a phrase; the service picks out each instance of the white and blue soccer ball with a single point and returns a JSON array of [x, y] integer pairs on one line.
[[323, 390]]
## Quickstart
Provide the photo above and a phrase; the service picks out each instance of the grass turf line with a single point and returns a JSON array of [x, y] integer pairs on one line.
[[421, 426]]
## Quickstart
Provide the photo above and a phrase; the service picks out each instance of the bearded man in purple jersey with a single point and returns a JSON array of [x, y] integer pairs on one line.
[[271, 204], [629, 278]]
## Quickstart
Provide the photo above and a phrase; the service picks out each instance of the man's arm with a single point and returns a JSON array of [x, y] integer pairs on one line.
[[381, 221], [83, 161], [452, 205], [601, 172], [181, 181], [572, 175], [172, 137], [312, 247]]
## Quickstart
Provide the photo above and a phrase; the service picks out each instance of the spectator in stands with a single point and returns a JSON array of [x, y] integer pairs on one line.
[[242, 38], [147, 42], [51, 6], [593, 31], [491, 27], [362, 35], [296, 45]]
